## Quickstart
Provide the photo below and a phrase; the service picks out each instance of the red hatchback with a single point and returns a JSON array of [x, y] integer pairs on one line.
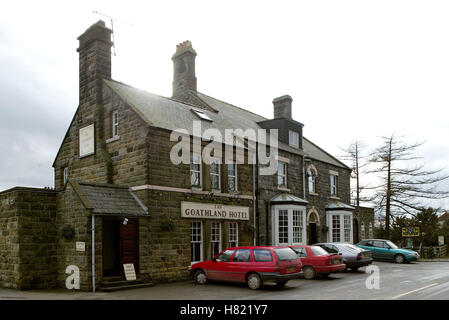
[[316, 260], [251, 265]]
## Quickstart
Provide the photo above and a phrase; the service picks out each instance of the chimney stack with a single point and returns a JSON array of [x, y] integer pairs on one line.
[[94, 61], [184, 79], [283, 107]]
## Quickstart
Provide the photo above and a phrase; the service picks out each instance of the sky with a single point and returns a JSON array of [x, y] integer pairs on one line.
[[355, 69]]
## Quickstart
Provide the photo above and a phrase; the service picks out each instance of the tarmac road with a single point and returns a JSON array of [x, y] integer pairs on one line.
[[418, 280]]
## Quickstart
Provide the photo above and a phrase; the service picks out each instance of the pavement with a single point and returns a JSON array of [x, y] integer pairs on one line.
[[390, 281]]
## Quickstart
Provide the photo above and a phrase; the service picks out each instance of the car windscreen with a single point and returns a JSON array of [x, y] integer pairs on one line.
[[285, 254], [392, 245], [352, 247], [318, 251]]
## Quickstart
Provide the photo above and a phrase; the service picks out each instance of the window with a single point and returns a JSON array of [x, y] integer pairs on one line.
[[335, 228], [370, 230], [293, 139], [362, 231], [262, 255], [215, 238], [201, 115], [242, 255], [378, 244], [115, 124], [195, 170], [301, 252], [282, 174], [289, 226], [196, 242], [66, 175], [334, 181], [233, 234], [285, 254], [318, 251], [347, 228], [225, 256], [297, 226], [215, 174], [232, 177], [311, 181]]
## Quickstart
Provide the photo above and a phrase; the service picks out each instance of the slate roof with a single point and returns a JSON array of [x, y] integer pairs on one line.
[[337, 205], [106, 199], [285, 198], [443, 217], [170, 114]]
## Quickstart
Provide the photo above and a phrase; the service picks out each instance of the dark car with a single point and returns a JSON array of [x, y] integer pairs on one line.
[[354, 257], [387, 250], [251, 265]]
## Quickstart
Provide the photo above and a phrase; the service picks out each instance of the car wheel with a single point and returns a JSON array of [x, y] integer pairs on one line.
[[281, 283], [354, 269], [200, 277], [254, 281], [309, 272], [399, 258]]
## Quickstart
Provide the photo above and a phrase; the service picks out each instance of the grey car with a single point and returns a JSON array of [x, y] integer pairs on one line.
[[354, 257]]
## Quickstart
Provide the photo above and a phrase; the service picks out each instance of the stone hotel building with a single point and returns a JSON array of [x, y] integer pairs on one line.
[[120, 199]]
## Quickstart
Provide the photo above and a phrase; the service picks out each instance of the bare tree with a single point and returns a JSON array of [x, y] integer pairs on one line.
[[402, 188], [356, 156]]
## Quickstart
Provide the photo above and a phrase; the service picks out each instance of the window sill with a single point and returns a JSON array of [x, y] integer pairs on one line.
[[335, 197], [313, 194], [197, 189], [113, 139], [284, 189]]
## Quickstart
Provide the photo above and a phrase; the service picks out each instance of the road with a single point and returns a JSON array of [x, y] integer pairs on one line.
[[418, 280]]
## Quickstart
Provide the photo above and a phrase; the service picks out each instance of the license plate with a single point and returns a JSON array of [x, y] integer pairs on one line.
[[291, 269]]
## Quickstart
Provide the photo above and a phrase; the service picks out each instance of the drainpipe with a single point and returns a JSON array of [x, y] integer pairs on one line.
[[254, 203], [303, 178], [93, 253]]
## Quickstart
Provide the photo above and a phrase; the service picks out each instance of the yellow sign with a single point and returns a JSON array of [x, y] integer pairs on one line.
[[410, 232]]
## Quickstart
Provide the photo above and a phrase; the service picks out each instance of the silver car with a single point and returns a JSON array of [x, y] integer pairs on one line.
[[354, 257]]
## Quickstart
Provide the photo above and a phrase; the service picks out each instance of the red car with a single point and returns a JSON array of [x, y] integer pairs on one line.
[[317, 261], [251, 265]]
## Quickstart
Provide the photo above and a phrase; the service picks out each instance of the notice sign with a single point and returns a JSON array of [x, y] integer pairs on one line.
[[86, 140], [410, 232], [197, 210], [130, 273], [80, 246], [441, 240]]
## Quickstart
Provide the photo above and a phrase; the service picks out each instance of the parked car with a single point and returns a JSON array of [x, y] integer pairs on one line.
[[387, 250], [251, 265], [317, 261], [353, 257]]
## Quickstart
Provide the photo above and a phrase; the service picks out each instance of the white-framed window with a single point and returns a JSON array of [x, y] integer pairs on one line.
[[215, 238], [347, 228], [333, 184], [293, 138], [311, 180], [196, 242], [232, 177], [233, 234], [65, 175], [362, 231], [289, 225], [195, 170], [115, 123], [370, 230], [282, 174], [215, 182], [340, 226]]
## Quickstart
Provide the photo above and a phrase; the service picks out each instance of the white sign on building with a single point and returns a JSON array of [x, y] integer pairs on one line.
[[197, 210], [86, 140]]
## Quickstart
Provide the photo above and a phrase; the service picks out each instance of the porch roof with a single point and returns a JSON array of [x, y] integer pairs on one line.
[[338, 205], [109, 199], [285, 198]]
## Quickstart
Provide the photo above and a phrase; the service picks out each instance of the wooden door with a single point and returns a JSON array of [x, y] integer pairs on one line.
[[129, 248]]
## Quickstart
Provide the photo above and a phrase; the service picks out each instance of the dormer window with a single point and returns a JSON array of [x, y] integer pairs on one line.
[[293, 138], [201, 115]]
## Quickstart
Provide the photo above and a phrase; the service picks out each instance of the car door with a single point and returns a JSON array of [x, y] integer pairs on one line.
[[240, 265], [380, 252], [219, 267]]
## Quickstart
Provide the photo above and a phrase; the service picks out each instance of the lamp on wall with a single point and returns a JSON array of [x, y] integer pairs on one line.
[[125, 221]]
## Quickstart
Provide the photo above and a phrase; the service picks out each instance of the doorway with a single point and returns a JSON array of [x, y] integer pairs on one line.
[[356, 231], [120, 245], [313, 232]]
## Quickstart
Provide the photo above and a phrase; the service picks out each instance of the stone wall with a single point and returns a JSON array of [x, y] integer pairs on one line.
[[28, 238]]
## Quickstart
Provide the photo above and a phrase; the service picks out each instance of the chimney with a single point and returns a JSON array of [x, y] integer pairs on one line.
[[184, 79], [94, 61], [283, 107]]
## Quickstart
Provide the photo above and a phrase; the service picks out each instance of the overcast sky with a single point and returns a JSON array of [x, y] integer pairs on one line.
[[355, 69]]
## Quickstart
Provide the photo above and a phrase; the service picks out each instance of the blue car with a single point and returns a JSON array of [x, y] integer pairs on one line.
[[387, 250]]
